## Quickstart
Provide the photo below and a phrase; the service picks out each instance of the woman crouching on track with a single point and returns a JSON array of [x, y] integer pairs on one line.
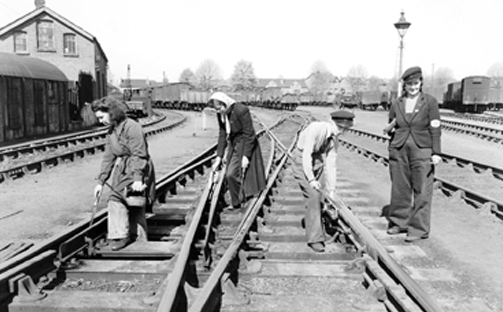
[[133, 180], [245, 170]]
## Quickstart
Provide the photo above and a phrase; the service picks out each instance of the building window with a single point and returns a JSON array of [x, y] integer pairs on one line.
[[20, 43], [45, 36], [69, 44]]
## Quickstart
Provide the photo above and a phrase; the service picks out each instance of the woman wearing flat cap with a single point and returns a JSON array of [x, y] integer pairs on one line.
[[317, 146], [414, 150], [244, 156]]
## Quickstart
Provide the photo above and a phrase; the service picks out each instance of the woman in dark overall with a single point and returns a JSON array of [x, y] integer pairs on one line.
[[126, 154], [244, 156], [414, 150]]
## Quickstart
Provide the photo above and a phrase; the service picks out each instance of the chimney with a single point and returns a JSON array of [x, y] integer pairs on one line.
[[39, 3]]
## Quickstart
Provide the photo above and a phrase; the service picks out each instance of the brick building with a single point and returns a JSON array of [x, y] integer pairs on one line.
[[44, 34]]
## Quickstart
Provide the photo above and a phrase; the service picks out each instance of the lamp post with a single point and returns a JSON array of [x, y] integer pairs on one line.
[[401, 26]]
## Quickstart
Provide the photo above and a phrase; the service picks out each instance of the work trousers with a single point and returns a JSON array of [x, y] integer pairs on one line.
[[233, 177], [314, 226], [411, 188], [124, 222]]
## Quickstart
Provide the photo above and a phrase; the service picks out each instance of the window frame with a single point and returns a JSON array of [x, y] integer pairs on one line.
[[53, 37], [70, 53], [15, 36]]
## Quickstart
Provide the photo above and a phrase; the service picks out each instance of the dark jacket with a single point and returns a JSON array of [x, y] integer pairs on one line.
[[243, 140], [126, 153], [423, 124]]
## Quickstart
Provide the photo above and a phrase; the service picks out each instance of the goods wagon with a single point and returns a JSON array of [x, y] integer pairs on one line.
[[471, 94], [370, 100], [33, 98], [349, 100], [495, 98]]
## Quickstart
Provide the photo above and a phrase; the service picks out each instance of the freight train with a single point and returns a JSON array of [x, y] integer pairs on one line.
[[474, 94], [185, 97]]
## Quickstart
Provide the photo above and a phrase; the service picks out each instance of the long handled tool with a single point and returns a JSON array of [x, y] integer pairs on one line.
[[95, 207], [242, 194]]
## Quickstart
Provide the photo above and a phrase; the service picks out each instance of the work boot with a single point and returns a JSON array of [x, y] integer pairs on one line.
[[317, 247], [118, 244]]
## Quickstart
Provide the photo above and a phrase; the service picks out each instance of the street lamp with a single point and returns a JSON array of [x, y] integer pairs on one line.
[[401, 26]]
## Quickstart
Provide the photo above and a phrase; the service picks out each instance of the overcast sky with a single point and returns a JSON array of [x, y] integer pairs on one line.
[[284, 38]]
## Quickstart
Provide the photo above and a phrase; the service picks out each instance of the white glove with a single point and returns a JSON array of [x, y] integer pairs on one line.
[[138, 186], [245, 162], [315, 184], [216, 164], [435, 159], [98, 189]]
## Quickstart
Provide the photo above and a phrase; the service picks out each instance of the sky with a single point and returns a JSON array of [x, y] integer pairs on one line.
[[284, 38]]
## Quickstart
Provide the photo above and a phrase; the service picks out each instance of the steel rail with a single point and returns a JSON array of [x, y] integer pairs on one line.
[[38, 165], [13, 151], [205, 300], [13, 267], [478, 167], [470, 196], [174, 294], [489, 119], [378, 253]]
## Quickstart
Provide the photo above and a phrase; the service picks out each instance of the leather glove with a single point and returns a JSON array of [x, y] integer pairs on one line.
[[435, 159], [315, 184]]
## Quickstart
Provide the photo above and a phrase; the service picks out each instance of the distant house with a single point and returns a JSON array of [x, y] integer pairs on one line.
[[287, 86], [44, 34]]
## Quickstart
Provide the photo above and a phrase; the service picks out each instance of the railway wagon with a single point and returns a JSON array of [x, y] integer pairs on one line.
[[475, 93], [495, 98], [370, 100], [471, 94], [349, 100], [290, 102], [194, 99], [452, 96], [33, 98]]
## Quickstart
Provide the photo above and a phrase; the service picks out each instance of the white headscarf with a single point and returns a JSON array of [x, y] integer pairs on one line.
[[224, 98]]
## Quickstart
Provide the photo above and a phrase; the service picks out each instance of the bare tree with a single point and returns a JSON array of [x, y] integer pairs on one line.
[[319, 79], [357, 77], [319, 66], [375, 83], [208, 74], [243, 77], [187, 75], [496, 74], [495, 70]]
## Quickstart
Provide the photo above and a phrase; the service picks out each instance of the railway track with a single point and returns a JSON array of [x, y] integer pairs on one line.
[[200, 258], [476, 183], [51, 152], [490, 134], [486, 117]]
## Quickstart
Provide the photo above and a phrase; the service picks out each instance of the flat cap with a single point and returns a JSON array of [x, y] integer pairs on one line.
[[342, 114], [412, 73]]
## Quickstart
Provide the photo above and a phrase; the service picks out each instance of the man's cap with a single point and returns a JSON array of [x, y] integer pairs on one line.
[[342, 115], [412, 73]]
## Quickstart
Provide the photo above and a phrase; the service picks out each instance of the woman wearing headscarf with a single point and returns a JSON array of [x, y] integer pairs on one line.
[[127, 160], [244, 156], [414, 149]]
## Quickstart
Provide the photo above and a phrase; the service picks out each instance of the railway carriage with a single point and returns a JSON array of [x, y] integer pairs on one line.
[[33, 98]]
